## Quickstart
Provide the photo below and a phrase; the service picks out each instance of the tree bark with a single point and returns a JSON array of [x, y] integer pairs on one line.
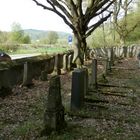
[[80, 47]]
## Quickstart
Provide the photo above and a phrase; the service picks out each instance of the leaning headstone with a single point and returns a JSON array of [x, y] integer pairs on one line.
[[78, 89], [27, 74], [54, 113]]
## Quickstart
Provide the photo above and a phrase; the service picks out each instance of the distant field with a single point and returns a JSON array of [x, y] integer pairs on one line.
[[31, 49]]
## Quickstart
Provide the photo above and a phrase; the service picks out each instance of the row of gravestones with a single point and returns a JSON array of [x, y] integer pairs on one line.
[[22, 72], [124, 51], [54, 119], [82, 81], [62, 63]]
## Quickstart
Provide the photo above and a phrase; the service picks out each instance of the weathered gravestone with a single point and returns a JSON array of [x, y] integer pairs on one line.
[[65, 63], [57, 70], [54, 113], [109, 68], [44, 75], [27, 74], [93, 76], [125, 51], [138, 57], [70, 58], [86, 78], [78, 89], [111, 56]]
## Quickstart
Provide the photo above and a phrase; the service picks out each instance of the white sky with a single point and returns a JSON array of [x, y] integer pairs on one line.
[[29, 16]]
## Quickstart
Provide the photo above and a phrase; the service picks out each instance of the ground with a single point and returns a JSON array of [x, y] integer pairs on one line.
[[112, 112]]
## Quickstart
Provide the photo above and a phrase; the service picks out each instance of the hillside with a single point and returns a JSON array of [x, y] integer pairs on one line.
[[38, 34]]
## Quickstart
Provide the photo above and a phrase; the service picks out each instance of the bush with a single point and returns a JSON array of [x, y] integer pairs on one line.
[[9, 47]]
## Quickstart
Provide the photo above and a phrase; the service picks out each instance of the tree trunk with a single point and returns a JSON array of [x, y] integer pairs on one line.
[[122, 41], [80, 47]]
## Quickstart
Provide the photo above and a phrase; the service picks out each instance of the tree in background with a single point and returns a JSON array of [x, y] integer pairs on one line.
[[4, 37], [78, 14], [120, 19], [17, 35], [51, 38], [134, 19], [107, 35]]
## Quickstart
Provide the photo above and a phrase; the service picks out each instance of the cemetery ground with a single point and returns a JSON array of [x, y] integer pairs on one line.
[[112, 112]]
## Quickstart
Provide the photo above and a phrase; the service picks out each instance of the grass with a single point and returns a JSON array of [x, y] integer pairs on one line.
[[27, 127], [30, 49], [41, 50]]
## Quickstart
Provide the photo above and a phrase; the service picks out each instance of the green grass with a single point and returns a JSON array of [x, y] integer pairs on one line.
[[25, 128], [31, 48], [40, 50]]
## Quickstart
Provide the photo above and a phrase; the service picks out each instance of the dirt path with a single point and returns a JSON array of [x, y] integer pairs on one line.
[[115, 117]]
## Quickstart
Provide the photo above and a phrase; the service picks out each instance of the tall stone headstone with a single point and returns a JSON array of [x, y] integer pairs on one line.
[[65, 62], [57, 69], [125, 51], [70, 58], [54, 113], [86, 78], [27, 74], [78, 89], [106, 66], [93, 77]]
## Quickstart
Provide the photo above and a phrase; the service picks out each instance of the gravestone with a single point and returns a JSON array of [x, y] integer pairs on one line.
[[138, 57], [78, 89], [57, 69], [65, 63], [86, 81], [93, 77], [70, 58], [112, 56], [105, 66], [54, 113], [125, 51], [27, 74], [44, 75]]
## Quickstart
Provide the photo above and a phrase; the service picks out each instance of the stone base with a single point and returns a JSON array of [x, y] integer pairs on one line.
[[54, 121]]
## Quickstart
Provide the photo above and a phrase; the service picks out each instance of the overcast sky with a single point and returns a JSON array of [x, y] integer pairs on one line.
[[29, 15]]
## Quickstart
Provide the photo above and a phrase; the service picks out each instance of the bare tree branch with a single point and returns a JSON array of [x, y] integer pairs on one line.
[[53, 9], [94, 26], [77, 14]]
